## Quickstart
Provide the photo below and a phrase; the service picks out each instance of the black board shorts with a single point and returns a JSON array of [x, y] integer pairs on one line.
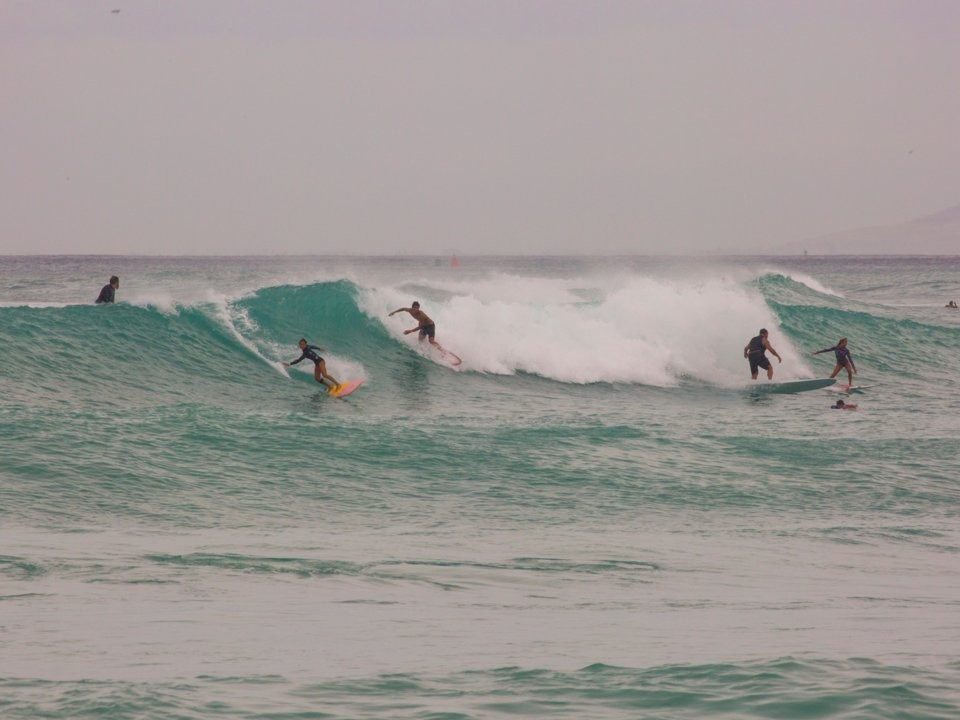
[[428, 330], [758, 360]]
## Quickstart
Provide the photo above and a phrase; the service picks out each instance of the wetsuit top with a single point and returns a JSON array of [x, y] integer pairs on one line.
[[106, 294], [309, 354], [842, 353], [756, 346]]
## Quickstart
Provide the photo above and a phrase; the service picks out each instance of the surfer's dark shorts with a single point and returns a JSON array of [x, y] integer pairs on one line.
[[758, 361], [428, 330]]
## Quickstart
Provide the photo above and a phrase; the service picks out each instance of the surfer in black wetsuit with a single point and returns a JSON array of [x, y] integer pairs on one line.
[[755, 352], [319, 365], [844, 359], [108, 291]]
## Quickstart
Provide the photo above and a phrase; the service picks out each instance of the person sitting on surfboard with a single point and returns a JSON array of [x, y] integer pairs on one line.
[[844, 360], [108, 292], [425, 325], [755, 352], [841, 405], [319, 365]]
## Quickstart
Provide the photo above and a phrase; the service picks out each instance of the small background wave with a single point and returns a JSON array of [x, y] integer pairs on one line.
[[781, 689]]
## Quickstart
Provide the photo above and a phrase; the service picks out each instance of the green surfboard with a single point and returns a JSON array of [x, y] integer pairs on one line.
[[791, 387]]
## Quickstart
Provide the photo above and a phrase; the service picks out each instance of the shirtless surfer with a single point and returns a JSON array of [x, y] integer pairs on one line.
[[425, 325], [319, 364], [755, 352]]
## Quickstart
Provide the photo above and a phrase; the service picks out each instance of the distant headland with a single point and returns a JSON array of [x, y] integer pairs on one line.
[[936, 234]]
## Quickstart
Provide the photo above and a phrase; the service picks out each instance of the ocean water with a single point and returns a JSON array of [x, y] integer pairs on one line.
[[594, 516]]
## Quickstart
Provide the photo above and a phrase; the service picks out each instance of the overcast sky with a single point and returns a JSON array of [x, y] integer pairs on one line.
[[501, 126]]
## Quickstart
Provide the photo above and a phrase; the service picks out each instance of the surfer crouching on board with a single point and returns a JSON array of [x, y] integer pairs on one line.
[[319, 365], [424, 324], [755, 352], [844, 360]]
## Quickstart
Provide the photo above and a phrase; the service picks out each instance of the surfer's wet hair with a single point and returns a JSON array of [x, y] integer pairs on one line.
[[763, 331], [301, 340], [415, 304]]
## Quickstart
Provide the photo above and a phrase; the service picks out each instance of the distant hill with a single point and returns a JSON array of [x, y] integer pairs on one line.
[[936, 234]]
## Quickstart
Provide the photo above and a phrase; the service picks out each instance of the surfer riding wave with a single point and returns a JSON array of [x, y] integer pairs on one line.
[[427, 329], [755, 352], [319, 364]]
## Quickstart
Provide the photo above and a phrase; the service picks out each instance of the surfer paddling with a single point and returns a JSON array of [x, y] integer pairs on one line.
[[755, 352], [844, 360], [319, 365]]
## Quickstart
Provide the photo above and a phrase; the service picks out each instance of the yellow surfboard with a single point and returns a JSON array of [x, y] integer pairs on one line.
[[344, 389]]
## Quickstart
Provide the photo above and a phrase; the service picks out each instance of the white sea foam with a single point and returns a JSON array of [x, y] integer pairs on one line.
[[35, 304], [635, 329]]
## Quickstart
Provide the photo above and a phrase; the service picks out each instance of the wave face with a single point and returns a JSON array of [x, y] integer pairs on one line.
[[655, 328], [594, 508]]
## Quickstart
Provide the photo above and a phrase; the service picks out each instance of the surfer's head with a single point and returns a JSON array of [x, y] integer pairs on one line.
[[840, 404], [115, 281], [302, 342], [415, 304], [763, 332], [841, 342]]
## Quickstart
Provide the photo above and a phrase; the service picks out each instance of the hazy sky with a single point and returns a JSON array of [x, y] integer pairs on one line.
[[480, 127]]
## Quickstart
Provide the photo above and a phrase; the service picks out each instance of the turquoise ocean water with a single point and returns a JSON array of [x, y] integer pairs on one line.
[[593, 517]]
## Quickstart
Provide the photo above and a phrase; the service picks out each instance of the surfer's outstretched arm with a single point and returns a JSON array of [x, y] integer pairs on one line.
[[775, 353], [294, 362]]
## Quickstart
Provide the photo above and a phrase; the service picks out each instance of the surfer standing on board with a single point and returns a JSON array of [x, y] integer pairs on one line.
[[425, 325], [844, 360], [319, 365], [755, 352], [428, 330]]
